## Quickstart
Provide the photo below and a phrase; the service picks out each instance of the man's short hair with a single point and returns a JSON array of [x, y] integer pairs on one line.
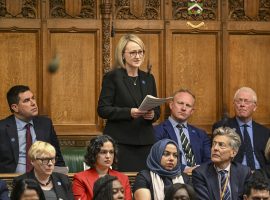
[[13, 94], [235, 140], [256, 182], [246, 89], [184, 90]]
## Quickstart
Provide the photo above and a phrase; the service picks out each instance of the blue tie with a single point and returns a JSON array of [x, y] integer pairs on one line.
[[227, 192], [248, 148]]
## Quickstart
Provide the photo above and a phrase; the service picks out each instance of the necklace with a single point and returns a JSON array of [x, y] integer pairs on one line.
[[48, 182], [134, 80]]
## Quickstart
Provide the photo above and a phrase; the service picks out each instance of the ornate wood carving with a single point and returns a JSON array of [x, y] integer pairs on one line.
[[246, 10], [137, 9], [106, 34], [18, 8], [72, 9], [180, 10]]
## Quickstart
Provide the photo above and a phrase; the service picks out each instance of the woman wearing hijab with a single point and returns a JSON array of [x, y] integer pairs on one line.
[[164, 169]]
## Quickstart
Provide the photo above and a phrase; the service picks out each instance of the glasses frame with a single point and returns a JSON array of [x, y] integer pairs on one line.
[[244, 101], [133, 54], [46, 161]]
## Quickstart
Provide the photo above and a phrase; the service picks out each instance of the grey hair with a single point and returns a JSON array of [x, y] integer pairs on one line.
[[235, 140], [246, 89]]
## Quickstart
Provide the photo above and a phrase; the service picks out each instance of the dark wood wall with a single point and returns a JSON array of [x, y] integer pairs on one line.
[[213, 54]]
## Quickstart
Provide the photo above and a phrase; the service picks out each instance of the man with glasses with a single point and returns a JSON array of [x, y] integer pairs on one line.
[[222, 178], [254, 136], [21, 129]]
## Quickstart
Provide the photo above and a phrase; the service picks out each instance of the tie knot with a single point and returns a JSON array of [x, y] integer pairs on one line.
[[245, 125], [222, 172], [180, 126], [27, 126]]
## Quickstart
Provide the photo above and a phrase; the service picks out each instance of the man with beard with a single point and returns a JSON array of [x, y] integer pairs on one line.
[[21, 129], [254, 136]]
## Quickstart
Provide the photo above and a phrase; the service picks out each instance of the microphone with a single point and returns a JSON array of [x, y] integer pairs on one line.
[[54, 64], [224, 119], [149, 67]]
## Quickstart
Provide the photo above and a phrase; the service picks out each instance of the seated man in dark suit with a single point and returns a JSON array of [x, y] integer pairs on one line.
[[21, 129], [221, 179], [254, 136], [193, 142]]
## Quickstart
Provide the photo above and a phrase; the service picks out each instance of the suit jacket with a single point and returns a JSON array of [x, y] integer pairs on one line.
[[261, 135], [199, 141], [206, 184], [83, 183], [9, 145], [3, 190], [116, 99], [61, 184]]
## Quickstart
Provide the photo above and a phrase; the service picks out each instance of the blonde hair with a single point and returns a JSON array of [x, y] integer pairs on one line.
[[120, 49], [246, 89], [267, 150], [38, 148]]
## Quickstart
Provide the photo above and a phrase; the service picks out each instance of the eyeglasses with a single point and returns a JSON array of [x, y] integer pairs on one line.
[[243, 101], [133, 54], [46, 161]]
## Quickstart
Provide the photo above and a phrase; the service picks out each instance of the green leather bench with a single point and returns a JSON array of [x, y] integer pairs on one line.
[[74, 158]]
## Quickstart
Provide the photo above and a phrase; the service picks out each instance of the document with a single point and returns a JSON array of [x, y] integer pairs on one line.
[[151, 102]]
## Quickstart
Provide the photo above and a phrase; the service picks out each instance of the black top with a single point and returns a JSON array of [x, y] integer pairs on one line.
[[118, 95]]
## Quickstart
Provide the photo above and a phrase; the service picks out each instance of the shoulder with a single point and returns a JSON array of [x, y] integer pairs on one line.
[[241, 170], [59, 175], [203, 168], [260, 126], [83, 174], [42, 119], [197, 130], [163, 125], [9, 119]]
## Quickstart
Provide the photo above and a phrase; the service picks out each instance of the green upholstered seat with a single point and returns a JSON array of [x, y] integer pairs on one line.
[[74, 158]]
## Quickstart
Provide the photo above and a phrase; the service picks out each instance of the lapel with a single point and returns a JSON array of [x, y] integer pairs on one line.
[[256, 140], [58, 187], [143, 81], [193, 140], [12, 133], [129, 87], [213, 181], [38, 128], [169, 130], [234, 182], [234, 124]]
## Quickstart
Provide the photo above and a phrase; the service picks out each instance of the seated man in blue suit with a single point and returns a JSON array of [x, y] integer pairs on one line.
[[194, 143], [222, 179], [21, 129], [254, 136], [3, 190]]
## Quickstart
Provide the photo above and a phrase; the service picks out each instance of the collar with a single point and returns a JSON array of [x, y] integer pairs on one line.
[[226, 169], [240, 123], [21, 124], [175, 123]]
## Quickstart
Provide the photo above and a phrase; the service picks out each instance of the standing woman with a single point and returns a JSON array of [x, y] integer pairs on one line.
[[123, 90]]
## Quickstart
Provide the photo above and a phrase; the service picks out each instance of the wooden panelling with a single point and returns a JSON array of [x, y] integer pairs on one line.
[[73, 95], [249, 66], [194, 66], [19, 63]]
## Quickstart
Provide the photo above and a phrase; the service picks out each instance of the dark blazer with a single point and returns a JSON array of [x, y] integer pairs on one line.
[[116, 99], [3, 190], [9, 145], [143, 180], [206, 184], [199, 141], [261, 135], [61, 184]]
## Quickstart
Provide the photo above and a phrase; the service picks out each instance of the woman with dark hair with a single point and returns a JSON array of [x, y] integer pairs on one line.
[[26, 189], [108, 188], [100, 156], [164, 169], [179, 191]]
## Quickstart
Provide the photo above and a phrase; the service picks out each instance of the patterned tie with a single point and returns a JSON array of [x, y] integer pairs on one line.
[[248, 149], [226, 192], [28, 145], [186, 146]]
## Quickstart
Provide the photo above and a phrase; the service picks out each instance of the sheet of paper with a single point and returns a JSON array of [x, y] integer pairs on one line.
[[151, 102]]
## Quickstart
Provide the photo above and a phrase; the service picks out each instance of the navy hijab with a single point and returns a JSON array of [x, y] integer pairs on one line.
[[154, 159]]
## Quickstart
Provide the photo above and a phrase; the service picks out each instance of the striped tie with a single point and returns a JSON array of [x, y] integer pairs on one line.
[[186, 146], [227, 192]]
